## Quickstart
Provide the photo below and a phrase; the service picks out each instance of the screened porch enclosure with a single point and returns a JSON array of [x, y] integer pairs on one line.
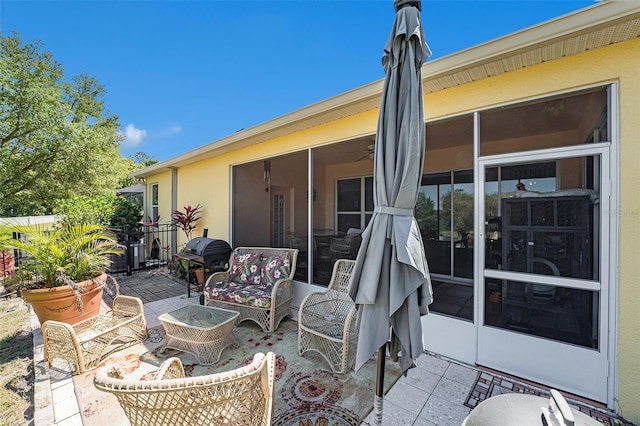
[[274, 205], [318, 199]]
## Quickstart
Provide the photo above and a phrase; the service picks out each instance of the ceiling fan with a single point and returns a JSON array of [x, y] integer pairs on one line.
[[369, 153]]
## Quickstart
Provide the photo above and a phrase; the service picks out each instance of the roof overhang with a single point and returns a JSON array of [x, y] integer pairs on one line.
[[597, 26], [138, 188], [600, 25]]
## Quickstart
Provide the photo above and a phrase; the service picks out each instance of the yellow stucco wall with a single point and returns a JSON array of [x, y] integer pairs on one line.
[[618, 63], [163, 180], [629, 214], [207, 182]]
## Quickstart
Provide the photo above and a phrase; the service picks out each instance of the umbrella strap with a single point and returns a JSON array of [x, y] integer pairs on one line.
[[393, 211], [399, 4], [377, 410]]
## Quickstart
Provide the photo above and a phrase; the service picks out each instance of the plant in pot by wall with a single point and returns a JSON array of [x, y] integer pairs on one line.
[[187, 221], [61, 270]]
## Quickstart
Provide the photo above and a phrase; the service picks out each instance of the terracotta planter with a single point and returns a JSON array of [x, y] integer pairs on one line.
[[59, 303], [199, 276]]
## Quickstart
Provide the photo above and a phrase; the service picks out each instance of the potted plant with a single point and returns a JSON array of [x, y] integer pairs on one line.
[[62, 274], [187, 221]]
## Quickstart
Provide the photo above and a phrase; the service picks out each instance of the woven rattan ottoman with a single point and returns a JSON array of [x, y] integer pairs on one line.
[[203, 331]]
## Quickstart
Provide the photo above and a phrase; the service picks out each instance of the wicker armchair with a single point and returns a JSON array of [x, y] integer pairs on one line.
[[257, 285], [327, 321], [345, 247], [243, 396], [85, 344]]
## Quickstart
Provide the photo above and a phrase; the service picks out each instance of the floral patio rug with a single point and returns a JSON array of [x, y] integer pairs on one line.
[[307, 392]]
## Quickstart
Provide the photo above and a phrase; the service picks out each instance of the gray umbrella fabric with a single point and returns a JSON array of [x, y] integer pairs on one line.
[[390, 280]]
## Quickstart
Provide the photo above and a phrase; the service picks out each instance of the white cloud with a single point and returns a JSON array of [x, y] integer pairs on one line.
[[133, 136], [169, 131], [175, 129]]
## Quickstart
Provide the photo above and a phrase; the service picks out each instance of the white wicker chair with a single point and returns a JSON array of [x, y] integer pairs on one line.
[[327, 321], [85, 344], [243, 396], [281, 294]]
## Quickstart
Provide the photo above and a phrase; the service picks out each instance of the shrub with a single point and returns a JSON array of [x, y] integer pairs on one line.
[[126, 214], [187, 220], [96, 210]]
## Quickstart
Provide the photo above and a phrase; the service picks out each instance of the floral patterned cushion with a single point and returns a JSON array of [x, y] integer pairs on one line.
[[251, 280], [275, 267], [258, 296], [246, 269]]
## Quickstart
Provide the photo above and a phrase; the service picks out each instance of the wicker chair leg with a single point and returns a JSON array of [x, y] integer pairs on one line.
[[61, 342]]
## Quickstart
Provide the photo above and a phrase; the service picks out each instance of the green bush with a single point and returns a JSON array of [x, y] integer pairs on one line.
[[114, 212], [126, 213], [96, 210]]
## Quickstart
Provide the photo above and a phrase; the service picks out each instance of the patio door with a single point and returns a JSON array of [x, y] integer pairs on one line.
[[543, 271], [280, 221]]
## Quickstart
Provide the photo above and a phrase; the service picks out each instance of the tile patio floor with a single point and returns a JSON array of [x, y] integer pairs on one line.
[[432, 394]]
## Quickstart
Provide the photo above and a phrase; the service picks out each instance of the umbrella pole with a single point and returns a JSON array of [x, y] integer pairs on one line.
[[377, 400]]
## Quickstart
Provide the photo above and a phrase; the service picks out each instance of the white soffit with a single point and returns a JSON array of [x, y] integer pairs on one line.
[[600, 25]]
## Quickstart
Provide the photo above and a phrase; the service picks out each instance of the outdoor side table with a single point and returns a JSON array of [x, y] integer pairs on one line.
[[527, 410], [203, 331]]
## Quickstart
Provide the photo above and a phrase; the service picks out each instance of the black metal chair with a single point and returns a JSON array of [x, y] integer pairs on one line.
[[345, 247], [302, 244]]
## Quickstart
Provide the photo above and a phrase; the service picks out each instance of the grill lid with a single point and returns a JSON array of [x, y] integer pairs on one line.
[[208, 251]]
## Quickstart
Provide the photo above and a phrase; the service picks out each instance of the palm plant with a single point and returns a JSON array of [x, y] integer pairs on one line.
[[63, 255], [61, 264]]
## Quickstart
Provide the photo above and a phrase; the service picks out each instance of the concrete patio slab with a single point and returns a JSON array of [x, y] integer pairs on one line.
[[432, 394]]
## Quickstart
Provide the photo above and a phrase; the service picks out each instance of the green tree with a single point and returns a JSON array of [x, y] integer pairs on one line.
[[134, 163], [56, 138], [462, 212], [491, 203], [425, 214], [143, 160]]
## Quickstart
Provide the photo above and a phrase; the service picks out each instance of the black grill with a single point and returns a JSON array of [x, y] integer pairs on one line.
[[214, 254], [206, 252]]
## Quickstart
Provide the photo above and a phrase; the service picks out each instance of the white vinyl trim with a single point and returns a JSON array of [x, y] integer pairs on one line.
[[595, 361], [614, 245]]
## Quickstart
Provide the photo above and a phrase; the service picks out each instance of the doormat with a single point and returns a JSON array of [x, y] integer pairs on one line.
[[488, 384], [306, 390]]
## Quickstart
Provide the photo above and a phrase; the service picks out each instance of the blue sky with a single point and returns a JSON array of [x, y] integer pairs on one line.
[[180, 74]]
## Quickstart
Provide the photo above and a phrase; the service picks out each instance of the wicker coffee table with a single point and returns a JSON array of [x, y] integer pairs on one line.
[[203, 331]]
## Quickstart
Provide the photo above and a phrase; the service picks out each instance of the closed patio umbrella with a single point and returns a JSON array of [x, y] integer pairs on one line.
[[390, 281]]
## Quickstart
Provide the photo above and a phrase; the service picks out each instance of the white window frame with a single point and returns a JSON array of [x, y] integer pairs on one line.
[[362, 213]]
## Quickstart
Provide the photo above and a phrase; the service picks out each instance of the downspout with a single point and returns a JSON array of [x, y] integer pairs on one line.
[[145, 202], [174, 207]]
